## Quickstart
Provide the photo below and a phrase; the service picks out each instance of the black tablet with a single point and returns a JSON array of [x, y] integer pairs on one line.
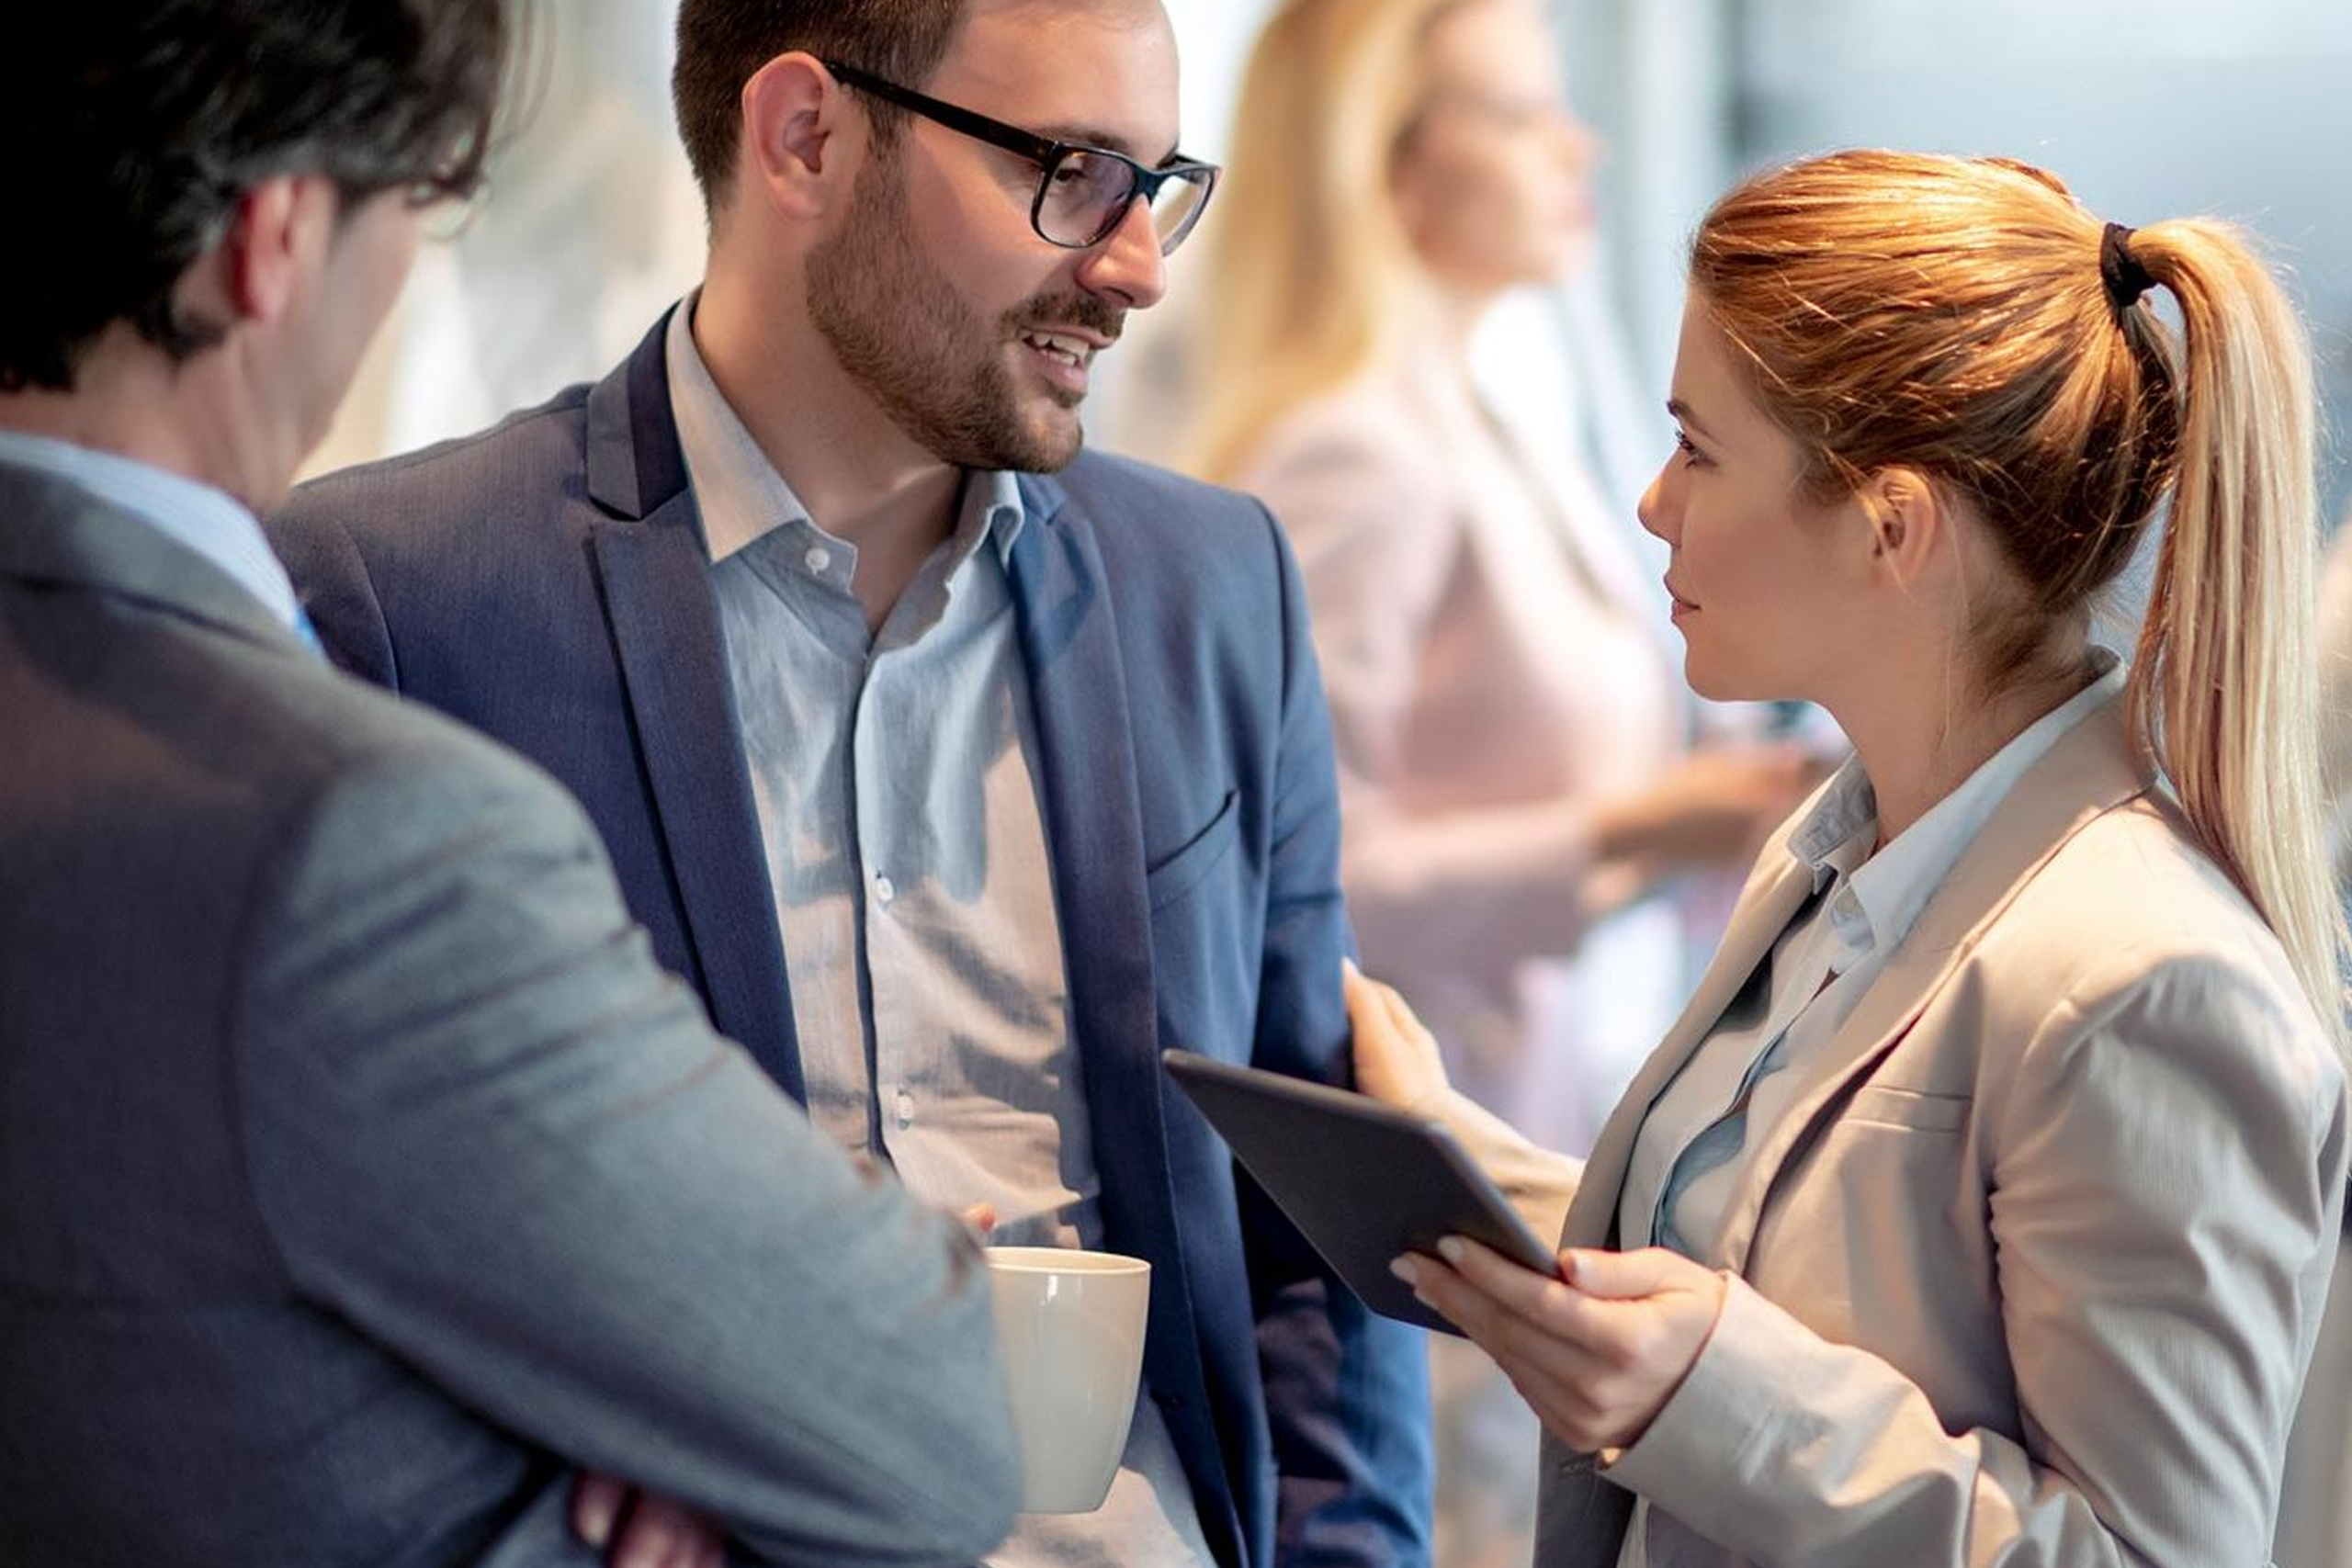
[[1362, 1180]]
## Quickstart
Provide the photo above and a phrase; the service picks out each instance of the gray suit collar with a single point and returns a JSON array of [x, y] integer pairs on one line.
[[53, 532]]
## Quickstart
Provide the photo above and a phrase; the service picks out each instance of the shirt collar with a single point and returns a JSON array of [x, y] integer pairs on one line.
[[1888, 889], [738, 493], [195, 515]]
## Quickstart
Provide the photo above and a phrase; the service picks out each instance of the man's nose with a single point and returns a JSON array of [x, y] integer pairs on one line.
[[1126, 263]]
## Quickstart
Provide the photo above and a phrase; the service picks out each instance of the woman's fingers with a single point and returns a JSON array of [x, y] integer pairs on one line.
[[1494, 1300], [1625, 1276], [1599, 1353], [1551, 1370], [1397, 1060]]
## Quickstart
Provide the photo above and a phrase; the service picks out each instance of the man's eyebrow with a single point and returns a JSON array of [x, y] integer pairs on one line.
[[1109, 140], [1681, 411]]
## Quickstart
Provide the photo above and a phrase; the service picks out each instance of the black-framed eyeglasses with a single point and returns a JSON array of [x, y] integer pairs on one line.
[[1083, 192]]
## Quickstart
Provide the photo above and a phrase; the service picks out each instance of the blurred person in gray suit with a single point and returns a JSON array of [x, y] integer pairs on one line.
[[362, 1178]]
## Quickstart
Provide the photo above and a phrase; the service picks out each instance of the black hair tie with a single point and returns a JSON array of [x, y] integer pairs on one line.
[[2125, 278]]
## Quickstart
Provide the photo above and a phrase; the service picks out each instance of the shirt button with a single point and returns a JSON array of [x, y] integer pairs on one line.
[[906, 1110], [885, 889], [818, 559]]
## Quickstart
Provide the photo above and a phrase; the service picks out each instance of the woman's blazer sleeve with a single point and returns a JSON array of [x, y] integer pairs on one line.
[[2167, 1157]]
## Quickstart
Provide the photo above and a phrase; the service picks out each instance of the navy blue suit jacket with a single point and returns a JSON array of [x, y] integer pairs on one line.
[[547, 581]]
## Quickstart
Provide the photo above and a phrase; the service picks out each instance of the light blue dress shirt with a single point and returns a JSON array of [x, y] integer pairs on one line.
[[895, 781], [208, 521]]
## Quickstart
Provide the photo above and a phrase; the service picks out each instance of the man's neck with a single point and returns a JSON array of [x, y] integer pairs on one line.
[[132, 402], [863, 480]]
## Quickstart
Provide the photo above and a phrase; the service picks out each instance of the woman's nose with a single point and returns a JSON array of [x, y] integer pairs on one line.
[[1653, 510]]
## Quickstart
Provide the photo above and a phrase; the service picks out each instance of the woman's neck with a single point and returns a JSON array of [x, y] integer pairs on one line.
[[1917, 753]]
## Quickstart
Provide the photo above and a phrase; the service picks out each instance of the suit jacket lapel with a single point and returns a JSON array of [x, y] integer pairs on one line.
[[658, 602], [1581, 1517], [1094, 833], [1772, 897], [2089, 771]]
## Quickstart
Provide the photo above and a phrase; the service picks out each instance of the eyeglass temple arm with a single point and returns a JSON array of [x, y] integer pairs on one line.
[[1012, 137]]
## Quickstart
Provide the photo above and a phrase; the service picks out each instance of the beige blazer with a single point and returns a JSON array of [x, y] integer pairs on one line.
[[2030, 1272]]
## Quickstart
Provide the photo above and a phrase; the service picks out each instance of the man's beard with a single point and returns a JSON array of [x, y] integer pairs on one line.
[[900, 330]]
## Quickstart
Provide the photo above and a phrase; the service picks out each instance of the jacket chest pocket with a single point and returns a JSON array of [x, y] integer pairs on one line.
[[1911, 1110], [1207, 926], [1181, 869]]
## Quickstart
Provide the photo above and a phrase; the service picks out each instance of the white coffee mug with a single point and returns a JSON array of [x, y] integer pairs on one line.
[[1069, 1326]]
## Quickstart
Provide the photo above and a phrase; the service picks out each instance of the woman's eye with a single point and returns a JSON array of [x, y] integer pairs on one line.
[[1692, 455]]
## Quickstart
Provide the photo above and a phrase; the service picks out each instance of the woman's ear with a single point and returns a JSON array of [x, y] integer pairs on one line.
[[1911, 522]]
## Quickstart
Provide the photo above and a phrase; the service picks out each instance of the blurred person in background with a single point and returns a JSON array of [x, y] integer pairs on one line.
[[1511, 733], [2335, 699], [1982, 1205], [1511, 738]]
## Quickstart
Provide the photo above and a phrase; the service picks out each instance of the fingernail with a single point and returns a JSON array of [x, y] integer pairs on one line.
[[1348, 967], [1452, 1249], [593, 1521], [1405, 1269]]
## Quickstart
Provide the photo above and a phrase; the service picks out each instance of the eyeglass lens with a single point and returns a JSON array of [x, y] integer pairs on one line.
[[1087, 193]]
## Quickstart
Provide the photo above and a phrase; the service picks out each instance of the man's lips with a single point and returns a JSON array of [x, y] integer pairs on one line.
[[1074, 346]]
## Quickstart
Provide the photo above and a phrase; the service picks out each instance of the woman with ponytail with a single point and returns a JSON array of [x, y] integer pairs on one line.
[[1979, 1208]]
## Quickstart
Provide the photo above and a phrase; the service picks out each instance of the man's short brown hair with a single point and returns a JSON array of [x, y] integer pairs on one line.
[[723, 43]]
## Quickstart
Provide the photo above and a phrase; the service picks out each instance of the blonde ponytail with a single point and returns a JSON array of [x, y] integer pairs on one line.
[[2224, 688]]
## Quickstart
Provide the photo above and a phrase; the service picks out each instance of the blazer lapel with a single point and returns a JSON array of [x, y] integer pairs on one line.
[[649, 555], [1764, 909], [2090, 772], [1094, 834], [1581, 1517]]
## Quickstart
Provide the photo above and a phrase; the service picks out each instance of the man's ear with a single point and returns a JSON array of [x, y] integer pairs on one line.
[[278, 236], [798, 134], [1910, 521]]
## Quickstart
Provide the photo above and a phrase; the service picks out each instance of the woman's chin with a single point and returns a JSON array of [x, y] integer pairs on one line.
[[1709, 679]]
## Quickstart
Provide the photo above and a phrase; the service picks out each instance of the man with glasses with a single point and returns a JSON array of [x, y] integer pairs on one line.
[[961, 770]]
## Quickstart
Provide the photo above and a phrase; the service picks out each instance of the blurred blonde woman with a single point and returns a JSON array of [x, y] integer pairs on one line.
[[1980, 1207], [1510, 735]]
